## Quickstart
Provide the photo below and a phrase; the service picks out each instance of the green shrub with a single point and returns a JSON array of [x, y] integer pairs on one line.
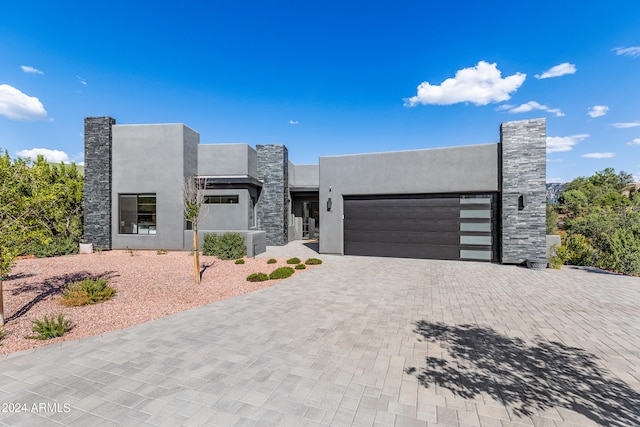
[[313, 261], [161, 251], [240, 261], [555, 260], [624, 255], [272, 261], [293, 260], [257, 277], [49, 328], [281, 273], [300, 267], [58, 245], [88, 291], [577, 250], [224, 246]]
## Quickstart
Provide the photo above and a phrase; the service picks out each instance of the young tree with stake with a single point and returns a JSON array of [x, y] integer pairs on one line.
[[194, 212]]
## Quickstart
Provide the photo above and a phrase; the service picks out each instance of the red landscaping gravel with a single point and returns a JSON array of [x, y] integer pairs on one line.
[[149, 286]]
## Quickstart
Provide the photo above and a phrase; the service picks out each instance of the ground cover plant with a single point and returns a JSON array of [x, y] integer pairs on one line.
[[272, 261], [49, 327], [239, 261], [281, 273], [257, 277], [313, 261], [293, 260], [300, 267], [88, 291]]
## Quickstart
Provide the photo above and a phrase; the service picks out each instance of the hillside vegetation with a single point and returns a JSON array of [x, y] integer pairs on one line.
[[598, 218], [40, 208]]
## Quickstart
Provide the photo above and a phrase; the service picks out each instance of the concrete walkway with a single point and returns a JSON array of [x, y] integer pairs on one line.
[[358, 341]]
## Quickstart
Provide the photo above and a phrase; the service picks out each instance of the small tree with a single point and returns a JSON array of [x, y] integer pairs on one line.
[[194, 212]]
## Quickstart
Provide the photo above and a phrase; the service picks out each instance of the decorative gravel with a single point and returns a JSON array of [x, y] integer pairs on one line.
[[149, 286]]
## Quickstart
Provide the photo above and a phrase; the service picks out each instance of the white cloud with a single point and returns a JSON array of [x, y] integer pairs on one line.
[[530, 106], [15, 105], [293, 122], [557, 144], [635, 141], [556, 180], [626, 125], [81, 80], [480, 85], [599, 155], [557, 71], [633, 51], [54, 156], [30, 70], [598, 111]]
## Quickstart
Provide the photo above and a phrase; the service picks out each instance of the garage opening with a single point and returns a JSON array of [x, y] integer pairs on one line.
[[427, 226]]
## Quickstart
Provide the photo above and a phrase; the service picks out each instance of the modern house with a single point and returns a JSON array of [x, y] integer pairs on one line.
[[479, 202]]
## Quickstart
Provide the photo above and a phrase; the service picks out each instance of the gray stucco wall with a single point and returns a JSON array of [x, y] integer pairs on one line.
[[304, 175], [227, 216], [523, 174], [226, 160], [471, 168], [97, 181], [153, 159], [273, 205]]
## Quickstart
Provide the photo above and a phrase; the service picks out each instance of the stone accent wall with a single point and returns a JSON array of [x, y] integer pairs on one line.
[[272, 207], [97, 181], [523, 173]]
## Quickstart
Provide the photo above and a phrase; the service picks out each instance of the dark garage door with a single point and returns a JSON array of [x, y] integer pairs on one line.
[[420, 226]]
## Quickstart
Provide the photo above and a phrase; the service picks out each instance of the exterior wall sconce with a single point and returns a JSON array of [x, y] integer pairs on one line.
[[329, 204], [521, 202]]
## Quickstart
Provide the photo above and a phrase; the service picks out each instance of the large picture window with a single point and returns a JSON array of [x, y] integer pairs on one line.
[[137, 213]]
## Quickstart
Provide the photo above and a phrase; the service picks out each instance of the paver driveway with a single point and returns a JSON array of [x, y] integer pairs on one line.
[[358, 341]]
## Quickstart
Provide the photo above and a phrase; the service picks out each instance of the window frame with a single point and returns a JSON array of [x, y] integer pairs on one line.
[[143, 209]]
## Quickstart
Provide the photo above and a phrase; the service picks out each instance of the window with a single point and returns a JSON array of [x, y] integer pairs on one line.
[[137, 213], [252, 213], [221, 200]]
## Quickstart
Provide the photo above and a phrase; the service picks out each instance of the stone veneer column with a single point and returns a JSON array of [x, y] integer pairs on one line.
[[523, 170], [272, 208], [97, 181]]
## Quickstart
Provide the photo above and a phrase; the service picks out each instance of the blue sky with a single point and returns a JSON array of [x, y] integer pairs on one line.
[[327, 78]]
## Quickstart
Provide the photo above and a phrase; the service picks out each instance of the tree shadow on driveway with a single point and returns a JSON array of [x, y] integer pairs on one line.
[[525, 376]]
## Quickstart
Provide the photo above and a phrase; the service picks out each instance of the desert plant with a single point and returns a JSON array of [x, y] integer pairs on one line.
[[240, 261], [272, 261], [281, 273], [313, 261], [224, 246], [161, 251], [1, 335], [129, 251], [300, 267], [257, 277], [88, 291], [293, 260], [49, 328]]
